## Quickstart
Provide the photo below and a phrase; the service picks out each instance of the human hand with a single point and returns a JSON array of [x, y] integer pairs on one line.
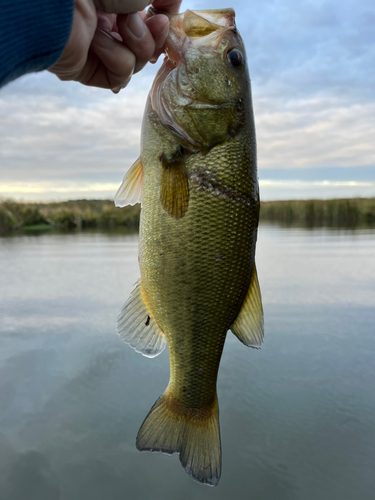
[[110, 40]]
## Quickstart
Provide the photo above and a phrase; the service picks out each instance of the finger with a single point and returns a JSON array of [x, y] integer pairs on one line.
[[172, 6], [159, 28], [110, 64], [138, 38], [121, 6], [106, 21]]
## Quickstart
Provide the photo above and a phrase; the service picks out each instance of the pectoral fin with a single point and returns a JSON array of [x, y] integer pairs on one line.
[[175, 188], [136, 326], [248, 326], [130, 191]]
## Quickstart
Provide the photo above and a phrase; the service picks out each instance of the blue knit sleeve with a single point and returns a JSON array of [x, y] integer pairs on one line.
[[33, 34]]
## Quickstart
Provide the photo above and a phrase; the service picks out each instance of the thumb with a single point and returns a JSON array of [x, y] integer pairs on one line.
[[121, 6]]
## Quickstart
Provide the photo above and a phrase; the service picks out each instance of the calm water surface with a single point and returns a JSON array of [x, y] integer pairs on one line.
[[297, 417]]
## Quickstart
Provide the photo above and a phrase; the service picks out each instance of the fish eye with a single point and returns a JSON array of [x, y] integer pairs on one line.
[[235, 57]]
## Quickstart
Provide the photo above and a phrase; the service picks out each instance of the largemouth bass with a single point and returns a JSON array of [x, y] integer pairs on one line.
[[196, 179]]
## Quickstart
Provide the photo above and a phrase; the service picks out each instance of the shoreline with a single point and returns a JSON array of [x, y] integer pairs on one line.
[[102, 214]]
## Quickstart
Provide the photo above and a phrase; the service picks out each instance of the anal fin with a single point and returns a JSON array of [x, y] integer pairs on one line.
[[248, 326], [136, 326], [130, 191]]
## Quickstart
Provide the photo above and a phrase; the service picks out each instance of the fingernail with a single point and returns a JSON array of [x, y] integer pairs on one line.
[[135, 25]]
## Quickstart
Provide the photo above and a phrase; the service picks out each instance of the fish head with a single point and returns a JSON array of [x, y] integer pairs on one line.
[[202, 91]]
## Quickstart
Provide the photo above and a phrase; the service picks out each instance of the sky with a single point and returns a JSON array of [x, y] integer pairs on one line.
[[312, 67]]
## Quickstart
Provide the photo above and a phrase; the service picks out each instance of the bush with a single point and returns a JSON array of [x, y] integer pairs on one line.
[[341, 212]]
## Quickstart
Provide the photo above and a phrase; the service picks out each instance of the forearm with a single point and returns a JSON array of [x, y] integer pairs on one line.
[[33, 35]]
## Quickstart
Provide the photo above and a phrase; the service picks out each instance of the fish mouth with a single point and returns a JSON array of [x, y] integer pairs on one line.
[[194, 24]]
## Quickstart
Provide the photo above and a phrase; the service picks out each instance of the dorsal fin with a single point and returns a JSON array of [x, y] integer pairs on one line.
[[130, 191], [175, 187], [248, 326]]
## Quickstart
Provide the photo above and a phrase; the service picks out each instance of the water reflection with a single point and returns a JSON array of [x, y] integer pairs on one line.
[[296, 417], [30, 476]]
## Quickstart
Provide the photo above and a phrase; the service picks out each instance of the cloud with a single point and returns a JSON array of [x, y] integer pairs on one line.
[[289, 190], [269, 190], [299, 184], [322, 131], [58, 191], [313, 81], [300, 48], [58, 150], [43, 139]]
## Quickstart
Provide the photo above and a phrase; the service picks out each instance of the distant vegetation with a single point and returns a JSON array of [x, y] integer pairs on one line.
[[102, 214], [345, 212], [69, 215]]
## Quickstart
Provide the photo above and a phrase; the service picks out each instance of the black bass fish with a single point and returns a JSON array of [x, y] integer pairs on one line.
[[197, 181]]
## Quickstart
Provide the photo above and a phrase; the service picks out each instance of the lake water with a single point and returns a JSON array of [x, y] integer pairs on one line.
[[297, 417]]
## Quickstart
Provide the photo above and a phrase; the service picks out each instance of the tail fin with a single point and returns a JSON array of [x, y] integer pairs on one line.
[[194, 435]]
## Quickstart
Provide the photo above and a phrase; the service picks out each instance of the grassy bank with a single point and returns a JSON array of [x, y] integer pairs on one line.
[[339, 212], [69, 215], [102, 214]]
